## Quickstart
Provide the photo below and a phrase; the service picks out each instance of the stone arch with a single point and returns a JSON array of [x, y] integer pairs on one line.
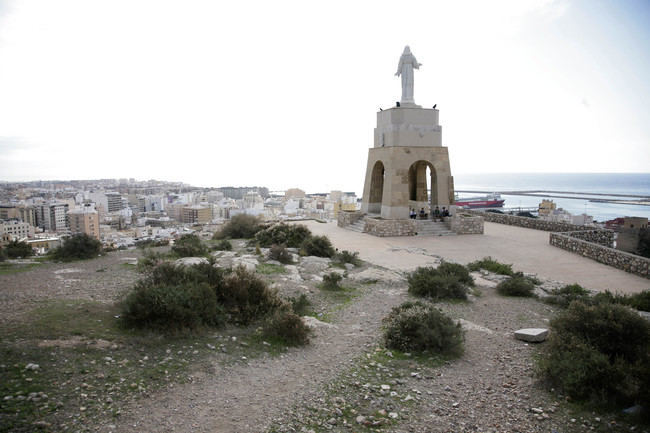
[[376, 188], [418, 188]]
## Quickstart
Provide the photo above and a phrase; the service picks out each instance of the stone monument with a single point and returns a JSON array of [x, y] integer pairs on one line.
[[407, 149]]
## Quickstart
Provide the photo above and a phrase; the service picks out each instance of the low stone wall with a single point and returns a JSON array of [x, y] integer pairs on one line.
[[463, 224], [619, 259], [529, 223], [345, 217], [600, 237], [383, 228]]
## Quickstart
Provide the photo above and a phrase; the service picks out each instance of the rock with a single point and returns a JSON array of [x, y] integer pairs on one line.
[[224, 254], [469, 326], [32, 367], [532, 335], [376, 274], [248, 261], [331, 421], [392, 415], [314, 265], [292, 273], [190, 261], [349, 266], [361, 419], [313, 323], [385, 387]]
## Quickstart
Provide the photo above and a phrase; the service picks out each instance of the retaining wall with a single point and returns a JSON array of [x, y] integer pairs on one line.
[[530, 223], [382, 228], [619, 259], [345, 217], [465, 224]]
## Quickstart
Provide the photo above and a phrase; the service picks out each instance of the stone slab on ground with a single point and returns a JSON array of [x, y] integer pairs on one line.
[[191, 261], [532, 335]]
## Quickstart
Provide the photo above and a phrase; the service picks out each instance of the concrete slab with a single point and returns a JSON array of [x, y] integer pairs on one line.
[[532, 335]]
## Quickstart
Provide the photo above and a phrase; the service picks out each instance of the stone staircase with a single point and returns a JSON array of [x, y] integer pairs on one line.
[[357, 226], [433, 228]]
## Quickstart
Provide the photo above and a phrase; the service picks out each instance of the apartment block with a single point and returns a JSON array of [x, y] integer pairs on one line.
[[197, 215], [16, 230], [84, 220]]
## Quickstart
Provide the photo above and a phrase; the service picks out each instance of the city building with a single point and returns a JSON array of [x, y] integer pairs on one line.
[[196, 215], [84, 220], [53, 217], [16, 230], [546, 207]]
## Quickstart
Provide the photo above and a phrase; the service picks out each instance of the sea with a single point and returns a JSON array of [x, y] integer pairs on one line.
[[637, 184]]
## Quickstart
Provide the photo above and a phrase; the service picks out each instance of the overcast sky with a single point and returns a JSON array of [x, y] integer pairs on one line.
[[284, 94]]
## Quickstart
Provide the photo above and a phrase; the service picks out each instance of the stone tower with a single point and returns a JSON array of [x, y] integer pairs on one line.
[[408, 141]]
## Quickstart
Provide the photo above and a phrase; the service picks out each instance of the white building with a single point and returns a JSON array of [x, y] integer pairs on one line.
[[17, 230]]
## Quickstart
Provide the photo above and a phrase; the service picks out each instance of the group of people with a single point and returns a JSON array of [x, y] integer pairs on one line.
[[437, 213]]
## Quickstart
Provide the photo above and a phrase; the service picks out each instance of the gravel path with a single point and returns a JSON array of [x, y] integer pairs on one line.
[[246, 398]]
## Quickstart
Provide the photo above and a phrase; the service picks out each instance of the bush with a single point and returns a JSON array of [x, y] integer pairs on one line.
[[300, 305], [240, 226], [491, 265], [568, 294], [150, 243], [643, 247], [189, 246], [77, 247], [348, 257], [289, 235], [3, 255], [416, 327], [280, 253], [432, 283], [173, 307], [598, 353], [638, 301], [319, 246], [149, 261], [222, 245], [246, 297], [517, 285], [331, 281], [288, 327], [456, 270], [15, 249]]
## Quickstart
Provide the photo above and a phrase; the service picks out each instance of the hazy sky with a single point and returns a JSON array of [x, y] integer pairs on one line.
[[284, 94]]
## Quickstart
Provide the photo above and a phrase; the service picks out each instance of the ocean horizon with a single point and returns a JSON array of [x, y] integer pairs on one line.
[[594, 183]]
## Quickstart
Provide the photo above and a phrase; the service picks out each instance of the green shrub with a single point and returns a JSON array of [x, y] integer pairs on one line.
[[16, 249], [567, 294], [643, 247], [429, 282], [246, 297], [149, 261], [222, 245], [598, 353], [288, 327], [189, 246], [331, 281], [150, 243], [348, 257], [319, 246], [491, 265], [300, 305], [638, 301], [173, 307], [456, 270], [289, 235], [517, 285], [240, 226], [417, 327], [280, 253], [3, 254], [77, 247]]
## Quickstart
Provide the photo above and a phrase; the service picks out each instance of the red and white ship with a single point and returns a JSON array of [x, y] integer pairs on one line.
[[490, 200]]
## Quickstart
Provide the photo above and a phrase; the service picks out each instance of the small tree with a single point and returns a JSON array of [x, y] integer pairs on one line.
[[17, 249], [189, 246], [318, 246], [240, 226], [643, 247], [78, 247]]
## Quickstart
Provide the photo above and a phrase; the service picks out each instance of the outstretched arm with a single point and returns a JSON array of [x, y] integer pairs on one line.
[[399, 68]]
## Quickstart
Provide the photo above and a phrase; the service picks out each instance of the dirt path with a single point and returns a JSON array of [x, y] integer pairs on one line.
[[246, 398]]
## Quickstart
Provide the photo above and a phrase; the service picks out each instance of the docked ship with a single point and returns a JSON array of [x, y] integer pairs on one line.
[[489, 200]]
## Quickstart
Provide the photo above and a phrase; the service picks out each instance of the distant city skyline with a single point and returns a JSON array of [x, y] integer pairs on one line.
[[284, 94]]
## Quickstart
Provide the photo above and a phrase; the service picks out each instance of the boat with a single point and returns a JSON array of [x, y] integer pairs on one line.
[[489, 200]]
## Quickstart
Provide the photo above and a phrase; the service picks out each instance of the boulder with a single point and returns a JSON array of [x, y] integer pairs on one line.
[[532, 335], [190, 261], [314, 265], [379, 275]]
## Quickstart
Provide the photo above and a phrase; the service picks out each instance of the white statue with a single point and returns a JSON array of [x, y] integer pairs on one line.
[[405, 68]]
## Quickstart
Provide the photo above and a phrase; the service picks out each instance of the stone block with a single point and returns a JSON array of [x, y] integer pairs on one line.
[[532, 335]]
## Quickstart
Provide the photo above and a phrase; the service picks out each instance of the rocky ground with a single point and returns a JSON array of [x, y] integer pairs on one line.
[[343, 381]]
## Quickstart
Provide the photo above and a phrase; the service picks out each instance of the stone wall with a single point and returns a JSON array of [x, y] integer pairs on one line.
[[628, 262], [345, 218], [600, 237], [464, 224], [530, 223], [388, 227]]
